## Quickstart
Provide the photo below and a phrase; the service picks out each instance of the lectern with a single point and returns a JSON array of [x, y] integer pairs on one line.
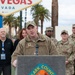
[[41, 65]]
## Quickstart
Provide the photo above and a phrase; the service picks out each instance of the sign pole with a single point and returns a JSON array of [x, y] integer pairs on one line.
[[1, 21]]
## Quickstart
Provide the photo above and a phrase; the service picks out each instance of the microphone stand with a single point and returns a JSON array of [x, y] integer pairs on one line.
[[37, 46]]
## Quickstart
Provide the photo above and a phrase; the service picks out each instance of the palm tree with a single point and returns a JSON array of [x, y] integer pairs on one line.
[[9, 21], [54, 14], [40, 13], [44, 15], [35, 13]]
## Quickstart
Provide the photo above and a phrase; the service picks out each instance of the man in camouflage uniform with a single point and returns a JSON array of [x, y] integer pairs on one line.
[[67, 48], [28, 45], [72, 38], [49, 33]]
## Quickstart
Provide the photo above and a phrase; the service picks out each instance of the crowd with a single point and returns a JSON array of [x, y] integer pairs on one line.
[[27, 41]]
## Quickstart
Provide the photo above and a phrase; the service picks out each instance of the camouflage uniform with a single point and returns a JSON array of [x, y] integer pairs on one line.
[[67, 48], [52, 38], [72, 39], [72, 36], [27, 47]]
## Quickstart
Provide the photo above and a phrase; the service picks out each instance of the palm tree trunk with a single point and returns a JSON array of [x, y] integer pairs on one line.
[[10, 31], [36, 20], [41, 27], [54, 15], [15, 30]]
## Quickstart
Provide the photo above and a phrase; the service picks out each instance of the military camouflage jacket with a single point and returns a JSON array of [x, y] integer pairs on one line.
[[72, 37], [67, 49], [54, 40], [28, 47]]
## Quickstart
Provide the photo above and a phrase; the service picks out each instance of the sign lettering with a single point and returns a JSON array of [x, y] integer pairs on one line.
[[8, 7]]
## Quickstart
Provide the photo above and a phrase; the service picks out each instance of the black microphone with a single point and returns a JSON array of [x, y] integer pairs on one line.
[[37, 46]]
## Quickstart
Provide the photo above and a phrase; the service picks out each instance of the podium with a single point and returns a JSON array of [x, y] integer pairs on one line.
[[41, 65]]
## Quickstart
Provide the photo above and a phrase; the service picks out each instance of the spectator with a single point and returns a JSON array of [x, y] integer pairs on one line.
[[6, 50], [21, 35]]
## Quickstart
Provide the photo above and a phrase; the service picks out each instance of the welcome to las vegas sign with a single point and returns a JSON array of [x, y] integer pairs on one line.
[[8, 7]]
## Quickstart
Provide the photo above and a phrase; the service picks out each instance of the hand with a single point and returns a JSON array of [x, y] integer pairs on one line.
[[67, 62], [14, 63]]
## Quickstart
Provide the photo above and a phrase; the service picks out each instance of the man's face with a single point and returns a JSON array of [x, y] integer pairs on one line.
[[31, 30], [73, 30], [2, 32], [64, 36], [49, 33]]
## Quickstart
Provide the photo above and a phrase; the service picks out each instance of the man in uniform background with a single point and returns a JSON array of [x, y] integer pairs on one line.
[[49, 33], [67, 48], [72, 38]]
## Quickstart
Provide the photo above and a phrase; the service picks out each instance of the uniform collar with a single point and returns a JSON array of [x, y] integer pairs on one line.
[[73, 35], [40, 38], [65, 43]]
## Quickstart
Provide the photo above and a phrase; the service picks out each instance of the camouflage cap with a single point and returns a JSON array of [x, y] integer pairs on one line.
[[49, 28], [30, 23], [73, 25], [64, 31]]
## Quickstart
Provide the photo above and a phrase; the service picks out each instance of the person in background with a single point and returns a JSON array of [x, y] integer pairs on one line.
[[6, 50], [21, 35], [49, 33], [33, 40], [67, 48], [72, 38]]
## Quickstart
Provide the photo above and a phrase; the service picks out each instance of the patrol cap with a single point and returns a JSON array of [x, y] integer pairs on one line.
[[73, 25], [30, 23], [49, 28], [64, 31]]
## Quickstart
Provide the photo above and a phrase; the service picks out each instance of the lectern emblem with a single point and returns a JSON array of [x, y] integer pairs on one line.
[[42, 72], [42, 69]]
